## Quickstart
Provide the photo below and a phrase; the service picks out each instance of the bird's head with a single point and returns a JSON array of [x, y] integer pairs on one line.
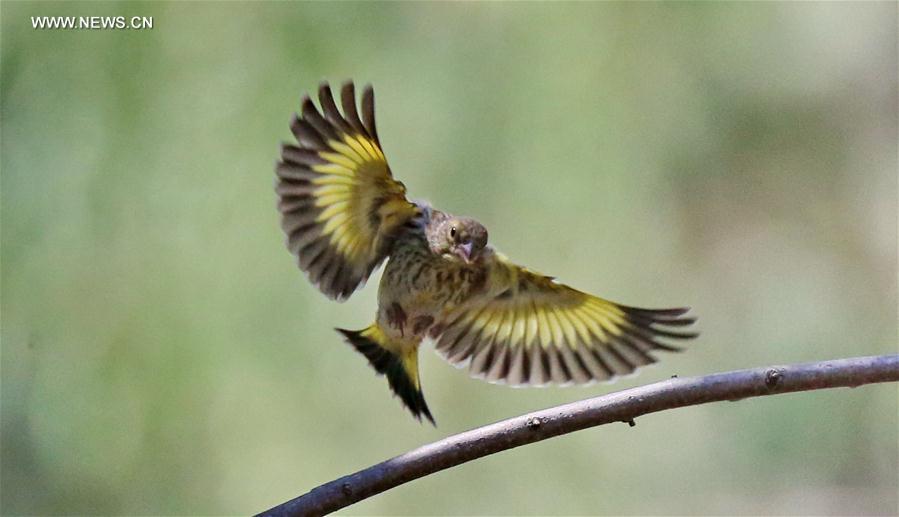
[[458, 238]]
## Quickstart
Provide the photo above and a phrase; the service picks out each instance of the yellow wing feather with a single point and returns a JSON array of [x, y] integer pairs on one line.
[[525, 328], [339, 202]]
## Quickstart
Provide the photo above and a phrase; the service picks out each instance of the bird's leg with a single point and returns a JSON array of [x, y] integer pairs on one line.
[[436, 330], [396, 317], [421, 323]]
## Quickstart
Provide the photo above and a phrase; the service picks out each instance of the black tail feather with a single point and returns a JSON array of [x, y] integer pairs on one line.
[[387, 363]]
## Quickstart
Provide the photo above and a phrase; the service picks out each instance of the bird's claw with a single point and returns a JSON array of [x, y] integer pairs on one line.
[[396, 317], [421, 324]]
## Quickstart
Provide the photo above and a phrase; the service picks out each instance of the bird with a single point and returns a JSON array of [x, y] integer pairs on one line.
[[344, 215]]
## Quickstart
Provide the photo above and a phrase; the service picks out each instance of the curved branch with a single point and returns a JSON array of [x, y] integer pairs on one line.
[[622, 406]]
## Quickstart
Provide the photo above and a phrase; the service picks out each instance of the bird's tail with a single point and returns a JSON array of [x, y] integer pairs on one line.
[[400, 368]]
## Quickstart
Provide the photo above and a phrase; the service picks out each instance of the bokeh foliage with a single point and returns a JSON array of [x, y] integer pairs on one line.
[[162, 355]]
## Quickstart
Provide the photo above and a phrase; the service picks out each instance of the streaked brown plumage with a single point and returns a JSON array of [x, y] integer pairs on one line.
[[344, 214]]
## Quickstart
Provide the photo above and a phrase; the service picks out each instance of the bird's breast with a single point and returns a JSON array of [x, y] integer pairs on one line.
[[423, 286]]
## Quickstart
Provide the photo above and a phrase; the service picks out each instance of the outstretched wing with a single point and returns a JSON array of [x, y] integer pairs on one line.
[[340, 206], [528, 329]]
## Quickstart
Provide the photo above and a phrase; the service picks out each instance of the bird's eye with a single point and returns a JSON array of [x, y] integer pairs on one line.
[[453, 231]]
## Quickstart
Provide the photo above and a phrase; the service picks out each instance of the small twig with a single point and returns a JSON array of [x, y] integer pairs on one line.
[[623, 406]]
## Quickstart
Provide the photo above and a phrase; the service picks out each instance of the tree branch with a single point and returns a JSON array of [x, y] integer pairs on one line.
[[622, 406]]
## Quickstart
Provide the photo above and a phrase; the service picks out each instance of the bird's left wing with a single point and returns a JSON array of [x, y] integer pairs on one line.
[[340, 206], [528, 329]]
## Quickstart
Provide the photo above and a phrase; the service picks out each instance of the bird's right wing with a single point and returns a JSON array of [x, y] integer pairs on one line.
[[340, 206], [528, 329]]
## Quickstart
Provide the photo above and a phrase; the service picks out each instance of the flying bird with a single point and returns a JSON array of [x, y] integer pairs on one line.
[[344, 214]]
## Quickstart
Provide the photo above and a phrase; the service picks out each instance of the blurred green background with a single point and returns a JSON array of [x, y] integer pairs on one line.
[[161, 354]]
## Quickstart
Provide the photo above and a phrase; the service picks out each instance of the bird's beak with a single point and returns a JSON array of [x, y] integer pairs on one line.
[[464, 252]]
